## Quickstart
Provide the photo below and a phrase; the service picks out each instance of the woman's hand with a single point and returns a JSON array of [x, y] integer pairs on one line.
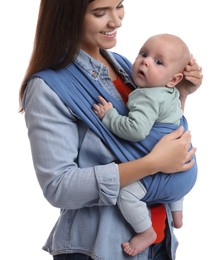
[[191, 82], [171, 154]]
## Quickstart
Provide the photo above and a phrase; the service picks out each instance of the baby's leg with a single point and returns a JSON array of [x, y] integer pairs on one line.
[[136, 213], [176, 208], [177, 219]]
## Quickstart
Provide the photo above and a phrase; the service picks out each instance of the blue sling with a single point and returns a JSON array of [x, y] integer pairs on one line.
[[79, 92]]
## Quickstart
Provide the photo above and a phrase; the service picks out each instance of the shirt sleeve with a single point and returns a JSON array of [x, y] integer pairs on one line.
[[143, 112], [54, 139]]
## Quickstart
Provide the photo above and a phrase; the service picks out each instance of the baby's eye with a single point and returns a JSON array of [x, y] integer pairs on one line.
[[159, 62], [143, 54]]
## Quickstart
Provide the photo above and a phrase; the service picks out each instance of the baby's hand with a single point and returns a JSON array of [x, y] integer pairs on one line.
[[101, 108]]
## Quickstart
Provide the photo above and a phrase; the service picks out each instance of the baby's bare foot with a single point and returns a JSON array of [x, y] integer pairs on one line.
[[139, 242]]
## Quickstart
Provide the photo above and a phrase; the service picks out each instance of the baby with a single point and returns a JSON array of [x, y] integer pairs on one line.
[[156, 71]]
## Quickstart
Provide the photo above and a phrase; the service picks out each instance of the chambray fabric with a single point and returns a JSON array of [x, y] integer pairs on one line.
[[78, 174]]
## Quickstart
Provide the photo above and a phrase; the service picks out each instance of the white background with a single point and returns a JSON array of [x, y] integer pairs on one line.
[[26, 217]]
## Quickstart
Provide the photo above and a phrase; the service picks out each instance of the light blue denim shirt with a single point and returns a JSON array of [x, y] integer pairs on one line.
[[77, 172]]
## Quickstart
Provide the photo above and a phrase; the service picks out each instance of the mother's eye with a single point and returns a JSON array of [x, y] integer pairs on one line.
[[99, 14]]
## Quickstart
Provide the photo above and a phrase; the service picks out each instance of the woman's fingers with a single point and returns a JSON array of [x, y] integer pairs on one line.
[[172, 153]]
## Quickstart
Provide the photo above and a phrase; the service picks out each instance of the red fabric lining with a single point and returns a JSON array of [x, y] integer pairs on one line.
[[158, 212]]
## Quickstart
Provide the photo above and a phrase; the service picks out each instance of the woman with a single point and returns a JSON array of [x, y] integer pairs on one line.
[[78, 170]]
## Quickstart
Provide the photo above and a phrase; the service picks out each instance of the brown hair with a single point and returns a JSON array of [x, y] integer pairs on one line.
[[57, 36]]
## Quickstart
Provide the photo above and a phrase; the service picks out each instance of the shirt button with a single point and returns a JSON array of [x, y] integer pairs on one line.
[[94, 74]]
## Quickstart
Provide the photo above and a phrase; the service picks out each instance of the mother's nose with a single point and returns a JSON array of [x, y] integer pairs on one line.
[[115, 20]]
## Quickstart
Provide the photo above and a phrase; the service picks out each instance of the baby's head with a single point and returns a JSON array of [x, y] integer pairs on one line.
[[175, 48], [161, 61]]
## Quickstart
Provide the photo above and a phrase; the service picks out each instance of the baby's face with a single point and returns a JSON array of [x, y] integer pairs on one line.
[[155, 64]]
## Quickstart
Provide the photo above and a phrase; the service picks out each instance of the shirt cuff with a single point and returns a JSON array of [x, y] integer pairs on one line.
[[108, 184]]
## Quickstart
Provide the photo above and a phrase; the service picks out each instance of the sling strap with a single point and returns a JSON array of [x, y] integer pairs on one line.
[[79, 92]]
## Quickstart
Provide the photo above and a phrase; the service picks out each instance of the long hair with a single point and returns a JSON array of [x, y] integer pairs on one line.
[[57, 36]]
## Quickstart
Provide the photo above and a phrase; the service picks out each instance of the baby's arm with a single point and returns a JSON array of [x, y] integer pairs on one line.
[[137, 124], [101, 108]]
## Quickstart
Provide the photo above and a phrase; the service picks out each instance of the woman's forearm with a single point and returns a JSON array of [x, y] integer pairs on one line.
[[133, 171]]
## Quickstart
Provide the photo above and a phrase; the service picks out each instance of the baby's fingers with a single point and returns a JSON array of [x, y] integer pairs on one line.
[[96, 108], [102, 100]]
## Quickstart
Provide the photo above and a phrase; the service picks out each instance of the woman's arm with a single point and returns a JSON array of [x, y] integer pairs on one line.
[[54, 140]]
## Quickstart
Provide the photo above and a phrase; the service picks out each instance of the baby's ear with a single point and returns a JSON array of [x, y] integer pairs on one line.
[[175, 80]]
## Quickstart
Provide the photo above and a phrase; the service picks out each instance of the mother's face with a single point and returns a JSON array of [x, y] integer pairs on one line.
[[101, 21]]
